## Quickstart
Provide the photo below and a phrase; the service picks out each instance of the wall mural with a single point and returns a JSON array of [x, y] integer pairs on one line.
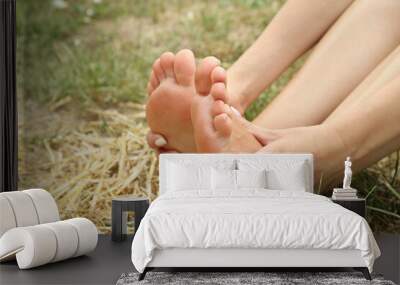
[[83, 68]]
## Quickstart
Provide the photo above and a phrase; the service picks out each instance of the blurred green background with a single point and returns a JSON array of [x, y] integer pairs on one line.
[[75, 55]]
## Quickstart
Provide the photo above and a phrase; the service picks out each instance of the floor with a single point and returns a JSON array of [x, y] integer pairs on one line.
[[103, 266], [110, 259]]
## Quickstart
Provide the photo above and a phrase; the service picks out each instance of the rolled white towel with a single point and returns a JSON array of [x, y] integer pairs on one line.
[[7, 218], [40, 244], [87, 234], [66, 238], [46, 207], [33, 246], [23, 208]]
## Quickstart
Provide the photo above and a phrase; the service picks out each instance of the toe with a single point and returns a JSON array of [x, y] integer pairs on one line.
[[154, 80], [155, 140], [184, 67], [219, 107], [203, 74], [158, 71], [218, 91], [223, 125], [218, 75], [150, 89], [167, 63]]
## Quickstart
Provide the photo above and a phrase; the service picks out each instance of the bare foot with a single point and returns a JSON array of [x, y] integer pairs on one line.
[[171, 90], [216, 128], [323, 142]]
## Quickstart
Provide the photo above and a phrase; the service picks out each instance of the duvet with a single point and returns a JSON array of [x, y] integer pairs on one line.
[[250, 218]]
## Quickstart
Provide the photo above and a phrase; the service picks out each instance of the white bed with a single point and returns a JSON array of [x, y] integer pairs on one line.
[[203, 220]]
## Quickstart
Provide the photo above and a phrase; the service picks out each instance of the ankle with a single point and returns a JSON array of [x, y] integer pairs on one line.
[[343, 145], [239, 91], [327, 148], [336, 149], [238, 99]]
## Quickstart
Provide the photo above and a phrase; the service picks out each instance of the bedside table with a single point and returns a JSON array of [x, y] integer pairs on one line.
[[357, 205], [121, 205]]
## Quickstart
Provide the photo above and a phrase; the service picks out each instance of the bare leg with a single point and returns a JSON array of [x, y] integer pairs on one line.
[[365, 34], [365, 126], [367, 133], [388, 69], [368, 142], [294, 30], [376, 84]]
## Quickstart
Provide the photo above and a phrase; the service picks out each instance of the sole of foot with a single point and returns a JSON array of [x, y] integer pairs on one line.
[[216, 127], [171, 88]]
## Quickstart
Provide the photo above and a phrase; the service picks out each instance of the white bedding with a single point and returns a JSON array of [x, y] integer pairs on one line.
[[250, 218]]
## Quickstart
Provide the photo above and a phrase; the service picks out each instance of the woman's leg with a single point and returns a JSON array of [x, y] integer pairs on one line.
[[365, 126], [363, 96], [365, 34], [294, 30], [371, 130], [380, 76]]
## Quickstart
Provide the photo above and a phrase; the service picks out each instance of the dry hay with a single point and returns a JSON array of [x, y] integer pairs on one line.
[[84, 161], [102, 157]]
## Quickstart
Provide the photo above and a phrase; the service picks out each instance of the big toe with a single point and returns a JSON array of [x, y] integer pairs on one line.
[[184, 67], [203, 74]]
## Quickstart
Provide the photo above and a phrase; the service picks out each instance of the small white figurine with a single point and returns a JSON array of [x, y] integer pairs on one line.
[[347, 174]]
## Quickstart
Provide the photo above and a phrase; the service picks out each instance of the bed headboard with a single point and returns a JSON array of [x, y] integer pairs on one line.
[[217, 159]]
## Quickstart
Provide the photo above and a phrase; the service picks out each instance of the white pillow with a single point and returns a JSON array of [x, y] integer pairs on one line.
[[224, 179], [292, 179], [251, 178], [281, 174], [182, 177]]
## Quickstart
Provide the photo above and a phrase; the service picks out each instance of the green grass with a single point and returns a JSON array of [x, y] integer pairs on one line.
[[381, 187], [106, 57], [101, 54], [52, 63]]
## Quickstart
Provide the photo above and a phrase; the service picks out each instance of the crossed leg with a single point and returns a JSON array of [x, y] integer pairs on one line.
[[373, 110], [361, 38], [379, 77], [364, 126]]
